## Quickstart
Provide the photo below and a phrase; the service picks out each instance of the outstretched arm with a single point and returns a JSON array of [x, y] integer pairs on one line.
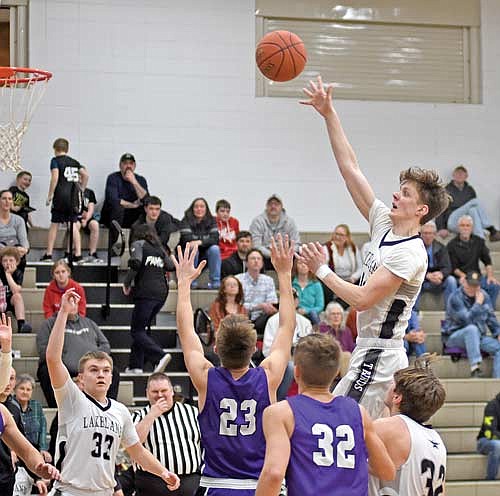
[[5, 350], [282, 258], [196, 363], [357, 184], [57, 370]]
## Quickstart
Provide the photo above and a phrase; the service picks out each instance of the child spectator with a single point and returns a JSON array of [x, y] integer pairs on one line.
[[89, 223], [11, 278], [309, 290], [228, 228], [61, 282], [20, 199], [65, 196]]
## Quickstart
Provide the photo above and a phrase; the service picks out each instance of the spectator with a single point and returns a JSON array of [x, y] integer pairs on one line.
[[12, 228], [344, 258], [229, 300], [464, 202], [200, 228], [164, 223], [34, 421], [259, 291], [438, 277], [65, 196], [303, 327], [228, 228], [170, 431], [82, 335], [89, 223], [469, 315], [20, 199], [125, 192], [311, 298], [333, 325], [61, 282], [236, 263], [148, 265], [11, 278], [488, 439], [274, 220], [466, 250], [414, 340]]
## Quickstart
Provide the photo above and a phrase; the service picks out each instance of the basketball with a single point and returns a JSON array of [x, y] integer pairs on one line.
[[281, 56]]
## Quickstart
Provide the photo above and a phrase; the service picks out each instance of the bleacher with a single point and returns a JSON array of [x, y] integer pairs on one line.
[[458, 421]]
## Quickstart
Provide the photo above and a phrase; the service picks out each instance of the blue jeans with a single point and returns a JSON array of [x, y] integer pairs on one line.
[[491, 346], [448, 285], [476, 211], [491, 289], [417, 348], [313, 317], [286, 382], [490, 447], [212, 256]]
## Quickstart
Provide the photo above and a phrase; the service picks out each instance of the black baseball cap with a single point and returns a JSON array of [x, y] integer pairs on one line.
[[473, 277], [127, 157]]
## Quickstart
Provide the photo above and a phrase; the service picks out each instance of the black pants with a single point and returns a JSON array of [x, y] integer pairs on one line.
[[147, 484], [44, 378], [260, 323], [143, 345], [124, 216], [7, 485]]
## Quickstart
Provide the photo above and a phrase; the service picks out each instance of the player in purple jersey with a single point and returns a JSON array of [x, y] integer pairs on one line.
[[317, 441], [232, 398]]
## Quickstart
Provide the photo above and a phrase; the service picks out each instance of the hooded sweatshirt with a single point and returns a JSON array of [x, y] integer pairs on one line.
[[490, 429], [227, 236], [53, 294]]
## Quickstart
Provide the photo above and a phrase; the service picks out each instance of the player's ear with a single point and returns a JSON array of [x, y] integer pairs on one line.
[[422, 210]]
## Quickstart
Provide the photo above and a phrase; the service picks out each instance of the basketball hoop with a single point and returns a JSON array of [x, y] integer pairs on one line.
[[21, 90]]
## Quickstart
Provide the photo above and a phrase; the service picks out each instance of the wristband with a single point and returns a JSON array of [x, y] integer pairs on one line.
[[323, 271]]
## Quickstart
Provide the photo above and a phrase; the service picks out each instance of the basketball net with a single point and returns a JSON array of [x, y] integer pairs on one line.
[[21, 90]]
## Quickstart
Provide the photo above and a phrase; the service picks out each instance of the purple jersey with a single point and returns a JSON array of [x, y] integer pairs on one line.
[[231, 424], [327, 448]]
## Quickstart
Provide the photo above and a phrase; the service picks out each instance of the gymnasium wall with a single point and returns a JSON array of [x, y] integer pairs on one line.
[[174, 84]]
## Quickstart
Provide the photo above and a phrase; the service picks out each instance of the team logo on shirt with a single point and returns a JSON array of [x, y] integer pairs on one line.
[[93, 421]]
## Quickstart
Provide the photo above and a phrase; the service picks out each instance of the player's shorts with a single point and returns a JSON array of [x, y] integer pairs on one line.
[[227, 487], [227, 492], [86, 229], [371, 372]]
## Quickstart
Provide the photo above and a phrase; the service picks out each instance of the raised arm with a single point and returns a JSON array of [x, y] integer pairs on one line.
[[357, 184], [276, 362], [57, 370], [5, 350], [194, 358]]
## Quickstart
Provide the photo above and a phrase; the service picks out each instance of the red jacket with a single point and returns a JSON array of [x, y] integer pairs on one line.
[[53, 294], [227, 236]]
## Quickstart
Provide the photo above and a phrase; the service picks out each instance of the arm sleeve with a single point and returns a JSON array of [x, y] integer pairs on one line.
[[186, 233], [256, 229], [484, 254], [445, 262], [47, 305], [129, 435], [269, 335], [53, 163], [271, 296], [22, 235], [491, 422], [402, 265], [101, 340], [68, 398], [111, 193], [450, 248]]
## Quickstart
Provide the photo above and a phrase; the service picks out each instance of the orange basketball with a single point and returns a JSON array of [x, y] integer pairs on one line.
[[281, 55]]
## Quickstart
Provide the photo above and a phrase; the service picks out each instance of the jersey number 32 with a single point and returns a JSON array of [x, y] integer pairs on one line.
[[344, 436]]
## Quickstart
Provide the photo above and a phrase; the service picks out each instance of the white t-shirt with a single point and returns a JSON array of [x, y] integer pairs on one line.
[[405, 257], [88, 440], [424, 468], [303, 327]]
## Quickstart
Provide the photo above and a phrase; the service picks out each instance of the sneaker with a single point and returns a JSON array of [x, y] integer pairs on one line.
[[162, 364], [133, 371], [93, 257], [46, 258], [476, 373], [495, 236], [26, 328]]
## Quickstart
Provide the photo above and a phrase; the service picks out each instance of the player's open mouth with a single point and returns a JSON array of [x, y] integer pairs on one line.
[[394, 206]]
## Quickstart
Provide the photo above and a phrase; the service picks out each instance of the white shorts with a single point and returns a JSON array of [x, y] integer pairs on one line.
[[370, 376]]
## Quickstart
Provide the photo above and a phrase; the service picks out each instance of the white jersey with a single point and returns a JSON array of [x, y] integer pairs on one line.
[[405, 257], [423, 472], [88, 440]]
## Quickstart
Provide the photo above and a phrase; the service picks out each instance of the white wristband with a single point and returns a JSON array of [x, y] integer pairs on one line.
[[323, 271]]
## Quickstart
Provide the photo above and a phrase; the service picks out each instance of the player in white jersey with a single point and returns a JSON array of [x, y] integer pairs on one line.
[[417, 450], [393, 269], [91, 426]]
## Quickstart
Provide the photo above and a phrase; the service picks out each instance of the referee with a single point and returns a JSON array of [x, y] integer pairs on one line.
[[170, 431]]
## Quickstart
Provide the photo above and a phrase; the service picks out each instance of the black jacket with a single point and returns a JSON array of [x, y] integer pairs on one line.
[[164, 226], [233, 265], [490, 428], [440, 259], [465, 255]]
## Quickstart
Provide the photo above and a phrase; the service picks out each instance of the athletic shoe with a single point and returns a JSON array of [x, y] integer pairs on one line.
[[162, 364], [26, 328], [46, 258], [476, 373], [133, 371], [495, 236]]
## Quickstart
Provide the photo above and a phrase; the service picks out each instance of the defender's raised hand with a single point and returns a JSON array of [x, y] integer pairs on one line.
[[184, 266], [320, 99], [282, 253], [5, 333], [312, 255], [69, 302]]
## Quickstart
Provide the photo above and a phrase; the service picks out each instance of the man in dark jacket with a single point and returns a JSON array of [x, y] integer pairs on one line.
[[488, 439], [464, 202], [438, 277], [236, 263], [82, 335]]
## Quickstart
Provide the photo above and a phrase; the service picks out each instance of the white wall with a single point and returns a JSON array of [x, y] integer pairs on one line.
[[173, 83]]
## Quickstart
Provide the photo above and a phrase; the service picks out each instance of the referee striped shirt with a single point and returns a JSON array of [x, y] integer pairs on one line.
[[174, 438]]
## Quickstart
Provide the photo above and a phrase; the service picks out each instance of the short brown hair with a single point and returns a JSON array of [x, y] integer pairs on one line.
[[23, 173], [158, 376], [61, 145], [94, 355], [422, 392], [222, 204], [430, 188], [318, 356], [235, 341], [10, 251]]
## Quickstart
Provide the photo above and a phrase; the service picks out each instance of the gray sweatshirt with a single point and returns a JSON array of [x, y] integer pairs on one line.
[[14, 232]]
